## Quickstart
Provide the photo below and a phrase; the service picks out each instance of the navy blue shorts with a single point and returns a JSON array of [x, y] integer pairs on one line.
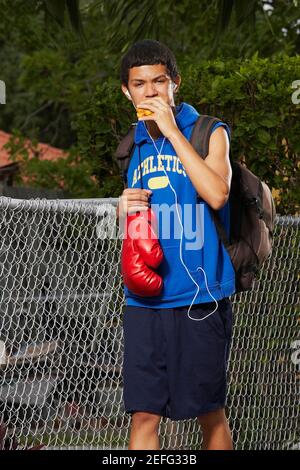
[[174, 366]]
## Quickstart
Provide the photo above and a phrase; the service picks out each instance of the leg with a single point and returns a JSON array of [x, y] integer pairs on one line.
[[216, 431], [144, 431]]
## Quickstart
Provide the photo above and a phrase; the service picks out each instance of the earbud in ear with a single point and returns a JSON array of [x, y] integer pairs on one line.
[[174, 86], [127, 94]]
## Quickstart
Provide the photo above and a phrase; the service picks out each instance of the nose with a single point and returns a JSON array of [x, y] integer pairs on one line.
[[150, 91]]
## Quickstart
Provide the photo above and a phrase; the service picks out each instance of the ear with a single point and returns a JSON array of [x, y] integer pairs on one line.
[[177, 82]]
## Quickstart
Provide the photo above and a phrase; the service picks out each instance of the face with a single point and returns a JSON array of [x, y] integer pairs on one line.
[[149, 81]]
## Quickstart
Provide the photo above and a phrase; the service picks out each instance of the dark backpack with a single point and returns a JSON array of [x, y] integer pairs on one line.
[[252, 208]]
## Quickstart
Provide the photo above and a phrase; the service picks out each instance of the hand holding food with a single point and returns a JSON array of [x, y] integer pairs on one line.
[[161, 112]]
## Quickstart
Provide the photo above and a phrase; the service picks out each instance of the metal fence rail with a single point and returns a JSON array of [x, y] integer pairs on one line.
[[61, 341]]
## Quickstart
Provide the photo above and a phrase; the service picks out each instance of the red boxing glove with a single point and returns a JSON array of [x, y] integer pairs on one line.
[[141, 254]]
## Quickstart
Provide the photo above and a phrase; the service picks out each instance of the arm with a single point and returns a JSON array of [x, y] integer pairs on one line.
[[210, 177]]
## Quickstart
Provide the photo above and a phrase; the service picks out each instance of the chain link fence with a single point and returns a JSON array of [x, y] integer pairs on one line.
[[61, 339]]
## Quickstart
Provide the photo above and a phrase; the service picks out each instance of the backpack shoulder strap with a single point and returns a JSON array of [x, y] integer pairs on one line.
[[200, 141], [201, 133], [124, 152]]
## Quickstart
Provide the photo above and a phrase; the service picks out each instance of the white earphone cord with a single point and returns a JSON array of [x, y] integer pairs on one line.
[[180, 252]]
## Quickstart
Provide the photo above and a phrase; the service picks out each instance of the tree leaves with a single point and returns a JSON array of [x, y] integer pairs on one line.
[[57, 8], [263, 136]]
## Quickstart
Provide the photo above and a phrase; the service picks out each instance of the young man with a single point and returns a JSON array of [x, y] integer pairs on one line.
[[175, 357]]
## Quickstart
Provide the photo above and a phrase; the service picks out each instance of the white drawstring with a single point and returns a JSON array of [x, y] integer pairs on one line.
[[199, 267]]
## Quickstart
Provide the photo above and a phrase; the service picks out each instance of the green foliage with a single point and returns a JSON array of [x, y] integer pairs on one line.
[[56, 10], [49, 73], [71, 173], [98, 129], [206, 29]]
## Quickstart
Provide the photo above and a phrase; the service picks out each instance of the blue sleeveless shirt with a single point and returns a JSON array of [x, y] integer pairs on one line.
[[200, 246]]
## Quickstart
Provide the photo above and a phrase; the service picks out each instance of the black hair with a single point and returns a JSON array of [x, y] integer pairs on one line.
[[148, 52]]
